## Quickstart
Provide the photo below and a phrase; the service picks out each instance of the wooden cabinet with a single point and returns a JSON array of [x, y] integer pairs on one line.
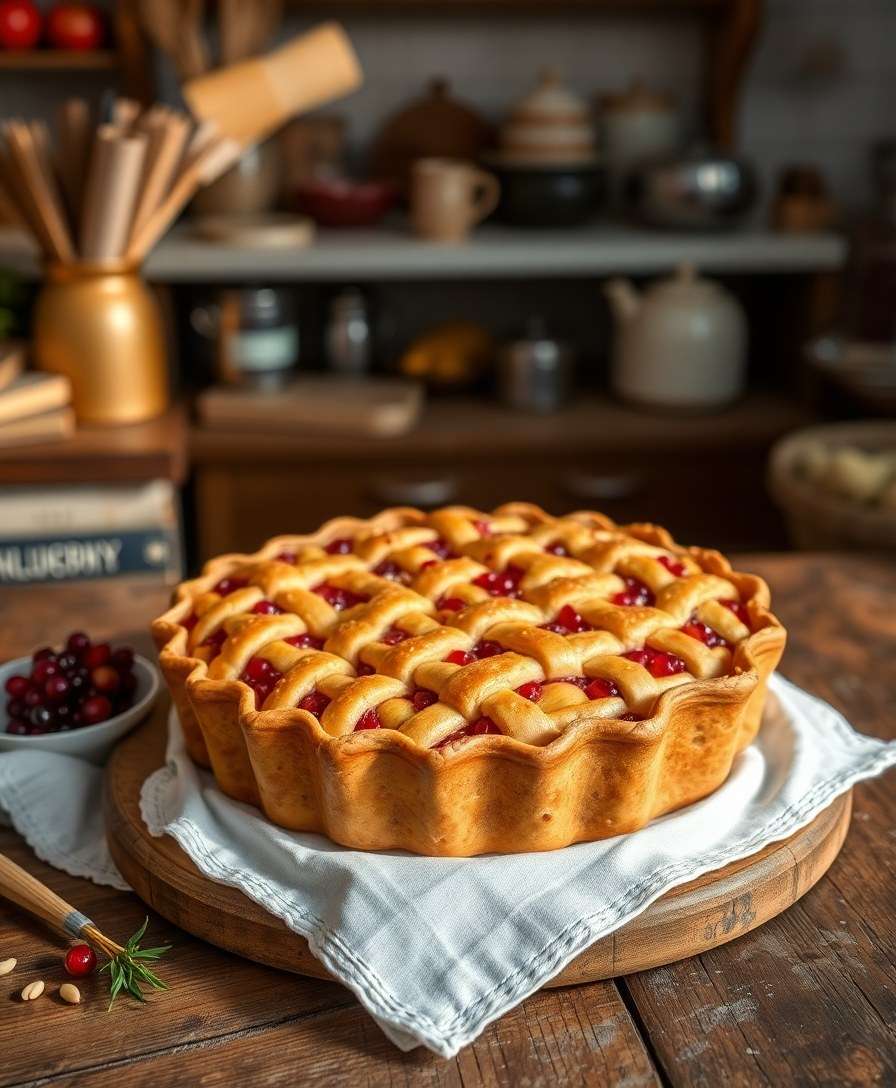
[[702, 477]]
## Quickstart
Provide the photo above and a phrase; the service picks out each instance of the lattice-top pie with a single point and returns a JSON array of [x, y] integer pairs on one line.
[[461, 683]]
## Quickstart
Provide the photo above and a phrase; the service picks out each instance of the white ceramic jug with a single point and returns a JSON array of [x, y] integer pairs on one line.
[[679, 344]]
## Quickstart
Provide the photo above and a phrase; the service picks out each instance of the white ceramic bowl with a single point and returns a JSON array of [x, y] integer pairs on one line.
[[90, 742]]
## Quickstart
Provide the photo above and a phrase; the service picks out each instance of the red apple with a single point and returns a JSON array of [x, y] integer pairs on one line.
[[20, 24], [75, 26]]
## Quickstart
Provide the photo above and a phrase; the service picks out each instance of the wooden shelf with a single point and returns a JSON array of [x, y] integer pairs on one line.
[[143, 451], [61, 60], [464, 429], [494, 252]]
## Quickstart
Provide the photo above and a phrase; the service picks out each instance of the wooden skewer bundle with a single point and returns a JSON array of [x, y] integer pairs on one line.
[[106, 193]]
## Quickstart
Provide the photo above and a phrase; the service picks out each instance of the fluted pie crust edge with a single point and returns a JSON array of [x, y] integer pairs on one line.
[[378, 789]]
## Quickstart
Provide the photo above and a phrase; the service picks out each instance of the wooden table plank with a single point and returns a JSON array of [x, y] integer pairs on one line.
[[809, 998]]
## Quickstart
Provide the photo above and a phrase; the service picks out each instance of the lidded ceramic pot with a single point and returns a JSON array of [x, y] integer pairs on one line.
[[638, 124], [679, 344], [551, 124]]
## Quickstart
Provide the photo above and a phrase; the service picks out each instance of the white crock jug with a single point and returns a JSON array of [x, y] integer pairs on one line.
[[681, 343]]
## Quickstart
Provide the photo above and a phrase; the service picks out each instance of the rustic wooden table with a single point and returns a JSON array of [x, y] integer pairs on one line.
[[810, 998]]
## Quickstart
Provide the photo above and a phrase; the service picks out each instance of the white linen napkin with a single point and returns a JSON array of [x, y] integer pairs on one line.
[[437, 948]]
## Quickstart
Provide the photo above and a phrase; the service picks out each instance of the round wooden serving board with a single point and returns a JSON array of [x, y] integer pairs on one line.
[[707, 912]]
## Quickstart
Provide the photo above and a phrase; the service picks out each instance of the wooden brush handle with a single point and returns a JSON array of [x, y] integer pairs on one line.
[[29, 893]]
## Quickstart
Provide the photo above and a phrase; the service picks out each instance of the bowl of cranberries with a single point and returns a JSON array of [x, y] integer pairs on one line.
[[77, 700]]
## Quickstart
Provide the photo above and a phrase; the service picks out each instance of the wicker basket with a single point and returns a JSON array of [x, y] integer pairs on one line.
[[818, 519]]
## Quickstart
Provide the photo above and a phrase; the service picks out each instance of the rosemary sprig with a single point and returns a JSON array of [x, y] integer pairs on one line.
[[128, 971]]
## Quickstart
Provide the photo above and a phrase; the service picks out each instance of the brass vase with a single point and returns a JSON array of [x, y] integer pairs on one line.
[[101, 326]]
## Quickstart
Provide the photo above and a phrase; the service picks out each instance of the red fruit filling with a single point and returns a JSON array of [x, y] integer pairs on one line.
[[315, 703], [673, 566], [635, 593], [702, 633], [504, 583], [393, 636], [451, 604], [422, 698], [482, 527], [305, 641], [261, 676], [460, 657], [594, 687], [440, 548], [631, 716], [287, 557], [342, 546], [189, 622], [477, 729], [364, 669], [266, 608], [739, 609], [215, 641], [369, 720], [339, 599], [657, 662], [230, 585], [567, 622], [531, 691], [557, 549], [486, 648]]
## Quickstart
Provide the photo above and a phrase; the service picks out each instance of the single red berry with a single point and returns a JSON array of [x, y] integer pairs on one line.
[[96, 709], [601, 689], [266, 608], [369, 720], [451, 604], [80, 961], [97, 655], [258, 670], [460, 657], [342, 546], [229, 585], [32, 697], [44, 654], [422, 698], [57, 687], [531, 691], [105, 679], [17, 686], [77, 642], [43, 670]]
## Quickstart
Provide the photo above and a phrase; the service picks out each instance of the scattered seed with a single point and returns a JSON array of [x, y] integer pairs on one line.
[[7, 966], [32, 991], [70, 993]]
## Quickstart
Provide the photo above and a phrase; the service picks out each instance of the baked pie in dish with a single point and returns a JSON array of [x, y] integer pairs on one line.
[[459, 683]]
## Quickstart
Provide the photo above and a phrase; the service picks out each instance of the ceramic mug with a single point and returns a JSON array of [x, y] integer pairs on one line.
[[449, 197]]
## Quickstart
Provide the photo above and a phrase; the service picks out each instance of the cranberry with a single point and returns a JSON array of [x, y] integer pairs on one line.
[[266, 608], [338, 599], [392, 571], [16, 708], [189, 622], [482, 527], [258, 670], [460, 657], [342, 546], [451, 604], [657, 662], [305, 641], [43, 670], [369, 720], [80, 960], [501, 583], [673, 566], [393, 636], [57, 687], [32, 697], [105, 679], [315, 703], [123, 659], [556, 549], [487, 648], [68, 663], [635, 593], [477, 729], [440, 548], [567, 621], [531, 691], [216, 640], [97, 655], [96, 709], [364, 669], [16, 686], [44, 654], [286, 557], [422, 698], [230, 585], [77, 642], [739, 609], [17, 727], [599, 688], [702, 633]]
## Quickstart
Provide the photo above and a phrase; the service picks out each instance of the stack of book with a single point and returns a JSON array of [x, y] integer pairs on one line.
[[33, 407]]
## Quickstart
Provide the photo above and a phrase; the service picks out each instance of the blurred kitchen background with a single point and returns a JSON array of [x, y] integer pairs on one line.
[[628, 255]]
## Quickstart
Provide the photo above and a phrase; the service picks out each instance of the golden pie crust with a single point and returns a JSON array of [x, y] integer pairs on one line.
[[521, 682]]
